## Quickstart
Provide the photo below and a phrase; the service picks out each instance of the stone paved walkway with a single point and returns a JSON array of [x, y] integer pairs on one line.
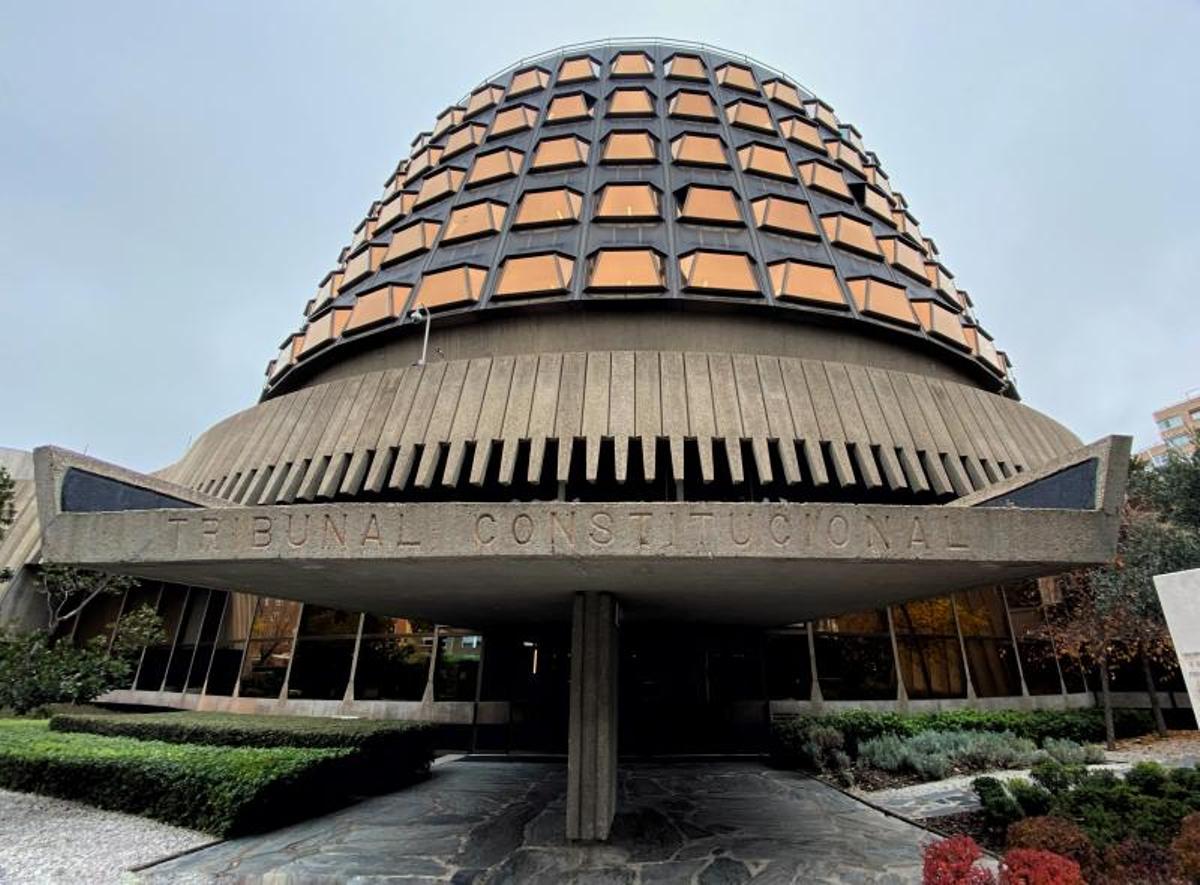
[[498, 822]]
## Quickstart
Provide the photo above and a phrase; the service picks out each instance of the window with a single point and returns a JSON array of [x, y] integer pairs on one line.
[[475, 220], [495, 166], [448, 119], [879, 178], [982, 346], [784, 216], [784, 93], [287, 355], [563, 152], [874, 202], [362, 264], [750, 115], [328, 288], [941, 322], [569, 108], [762, 159], [324, 330], [850, 233], [843, 153], [692, 149], [578, 69], [534, 275], [1179, 442], [1171, 423], [854, 656], [451, 287], [528, 80], [395, 208], [269, 649], [630, 102], [632, 64], [324, 652], [688, 104], [729, 272], [881, 299], [463, 139], [626, 270], [1161, 460], [822, 113], [901, 255], [686, 67], [708, 205], [803, 132], [364, 231], [930, 655], [393, 661], [906, 224], [630, 147], [628, 202], [736, 77], [806, 283], [1195, 414], [422, 162], [482, 99], [548, 207], [377, 306], [824, 178], [439, 185], [516, 118], [411, 241], [940, 280]]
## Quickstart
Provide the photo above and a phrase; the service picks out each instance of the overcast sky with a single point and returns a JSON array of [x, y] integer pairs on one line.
[[175, 178]]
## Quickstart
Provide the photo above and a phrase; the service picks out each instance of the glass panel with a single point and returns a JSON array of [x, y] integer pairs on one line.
[[845, 154], [629, 147], [451, 287], [275, 617], [377, 306], [447, 120], [464, 139], [393, 669], [396, 208], [714, 205], [850, 233], [99, 618], [439, 185], [421, 163], [628, 202], [689, 104], [718, 271], [534, 274], [265, 667], [626, 269], [765, 160], [941, 322], [901, 255], [802, 132], [993, 665], [930, 654], [750, 115], [686, 67], [575, 70], [325, 329], [632, 64], [824, 178], [558, 206], [226, 663], [321, 670], [528, 80], [495, 166], [822, 113], [630, 103], [483, 98], [699, 150], [321, 621], [569, 108], [457, 669], [797, 281], [560, 153], [145, 594], [204, 645], [476, 220], [882, 300], [783, 216], [784, 93], [1036, 652], [736, 77], [515, 119], [380, 625], [154, 661], [854, 657], [789, 676]]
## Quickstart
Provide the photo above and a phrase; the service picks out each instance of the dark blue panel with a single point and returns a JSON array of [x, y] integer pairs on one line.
[[1073, 488], [84, 492]]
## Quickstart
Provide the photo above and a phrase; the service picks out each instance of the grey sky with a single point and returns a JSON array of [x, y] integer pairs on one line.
[[175, 179]]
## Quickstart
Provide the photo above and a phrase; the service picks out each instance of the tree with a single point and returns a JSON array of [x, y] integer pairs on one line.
[[68, 591], [7, 511]]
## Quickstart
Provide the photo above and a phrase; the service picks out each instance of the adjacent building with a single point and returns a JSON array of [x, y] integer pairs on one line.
[[1177, 427]]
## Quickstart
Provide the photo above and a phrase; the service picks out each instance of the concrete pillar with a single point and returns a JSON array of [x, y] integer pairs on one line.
[[592, 737]]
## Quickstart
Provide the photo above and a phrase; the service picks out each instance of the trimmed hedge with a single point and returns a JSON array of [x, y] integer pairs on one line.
[[220, 790]]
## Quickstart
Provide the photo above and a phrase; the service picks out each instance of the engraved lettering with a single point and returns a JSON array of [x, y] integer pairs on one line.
[[338, 532], [742, 540], [874, 531], [485, 529], [779, 530], [403, 541], [208, 529], [600, 531], [917, 536], [705, 518], [178, 522], [522, 528], [639, 518], [371, 534], [291, 535], [951, 542], [838, 531], [260, 533], [564, 526]]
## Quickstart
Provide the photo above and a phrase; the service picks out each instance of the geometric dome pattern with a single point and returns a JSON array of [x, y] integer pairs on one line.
[[644, 172]]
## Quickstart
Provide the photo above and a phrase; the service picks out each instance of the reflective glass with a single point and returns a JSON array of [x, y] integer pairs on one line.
[[718, 272], [548, 207], [798, 281], [617, 269], [534, 275], [628, 202]]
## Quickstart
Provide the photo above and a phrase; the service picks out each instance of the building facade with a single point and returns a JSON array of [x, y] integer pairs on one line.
[[642, 371], [1177, 427]]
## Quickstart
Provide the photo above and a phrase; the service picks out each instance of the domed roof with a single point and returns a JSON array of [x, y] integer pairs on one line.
[[643, 173]]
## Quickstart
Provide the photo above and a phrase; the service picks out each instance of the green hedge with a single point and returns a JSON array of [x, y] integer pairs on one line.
[[220, 790], [1082, 726]]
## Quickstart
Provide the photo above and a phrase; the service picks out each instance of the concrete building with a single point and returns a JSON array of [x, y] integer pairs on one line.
[[642, 371], [1177, 427]]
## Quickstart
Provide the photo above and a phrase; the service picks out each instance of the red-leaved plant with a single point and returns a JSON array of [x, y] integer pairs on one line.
[[952, 862], [1029, 866]]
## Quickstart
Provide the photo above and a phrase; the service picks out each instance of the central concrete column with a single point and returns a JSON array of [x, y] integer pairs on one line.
[[592, 738]]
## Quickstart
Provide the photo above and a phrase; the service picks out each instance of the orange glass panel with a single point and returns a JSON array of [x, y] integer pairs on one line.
[[362, 233], [287, 355], [631, 102], [784, 216], [626, 270], [901, 255], [411, 241], [750, 115], [736, 77], [718, 272], [941, 322], [328, 288], [764, 160], [569, 107], [482, 99], [558, 206], [629, 147], [699, 150], [879, 178], [528, 80], [987, 351], [843, 153], [811, 283], [362, 264], [850, 233], [451, 287], [883, 300], [822, 113], [906, 224], [803, 132], [494, 166], [941, 279], [517, 118], [534, 275], [560, 153], [439, 185], [709, 205], [576, 70], [448, 119], [395, 208], [475, 220], [853, 137], [877, 204], [324, 330], [463, 139], [686, 67], [377, 306], [422, 162], [824, 178], [784, 93], [632, 64], [628, 202], [691, 105]]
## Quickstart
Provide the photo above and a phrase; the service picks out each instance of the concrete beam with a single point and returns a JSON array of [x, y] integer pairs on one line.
[[592, 736]]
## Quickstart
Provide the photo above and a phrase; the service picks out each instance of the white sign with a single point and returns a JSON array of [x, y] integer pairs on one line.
[[1179, 593]]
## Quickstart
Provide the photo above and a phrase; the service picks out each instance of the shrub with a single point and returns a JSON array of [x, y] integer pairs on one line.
[[1068, 752], [1055, 835], [1147, 777], [810, 744], [952, 862], [1055, 777], [1033, 800], [999, 808], [1137, 861], [35, 672], [1186, 847], [935, 754], [220, 790], [1030, 866]]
